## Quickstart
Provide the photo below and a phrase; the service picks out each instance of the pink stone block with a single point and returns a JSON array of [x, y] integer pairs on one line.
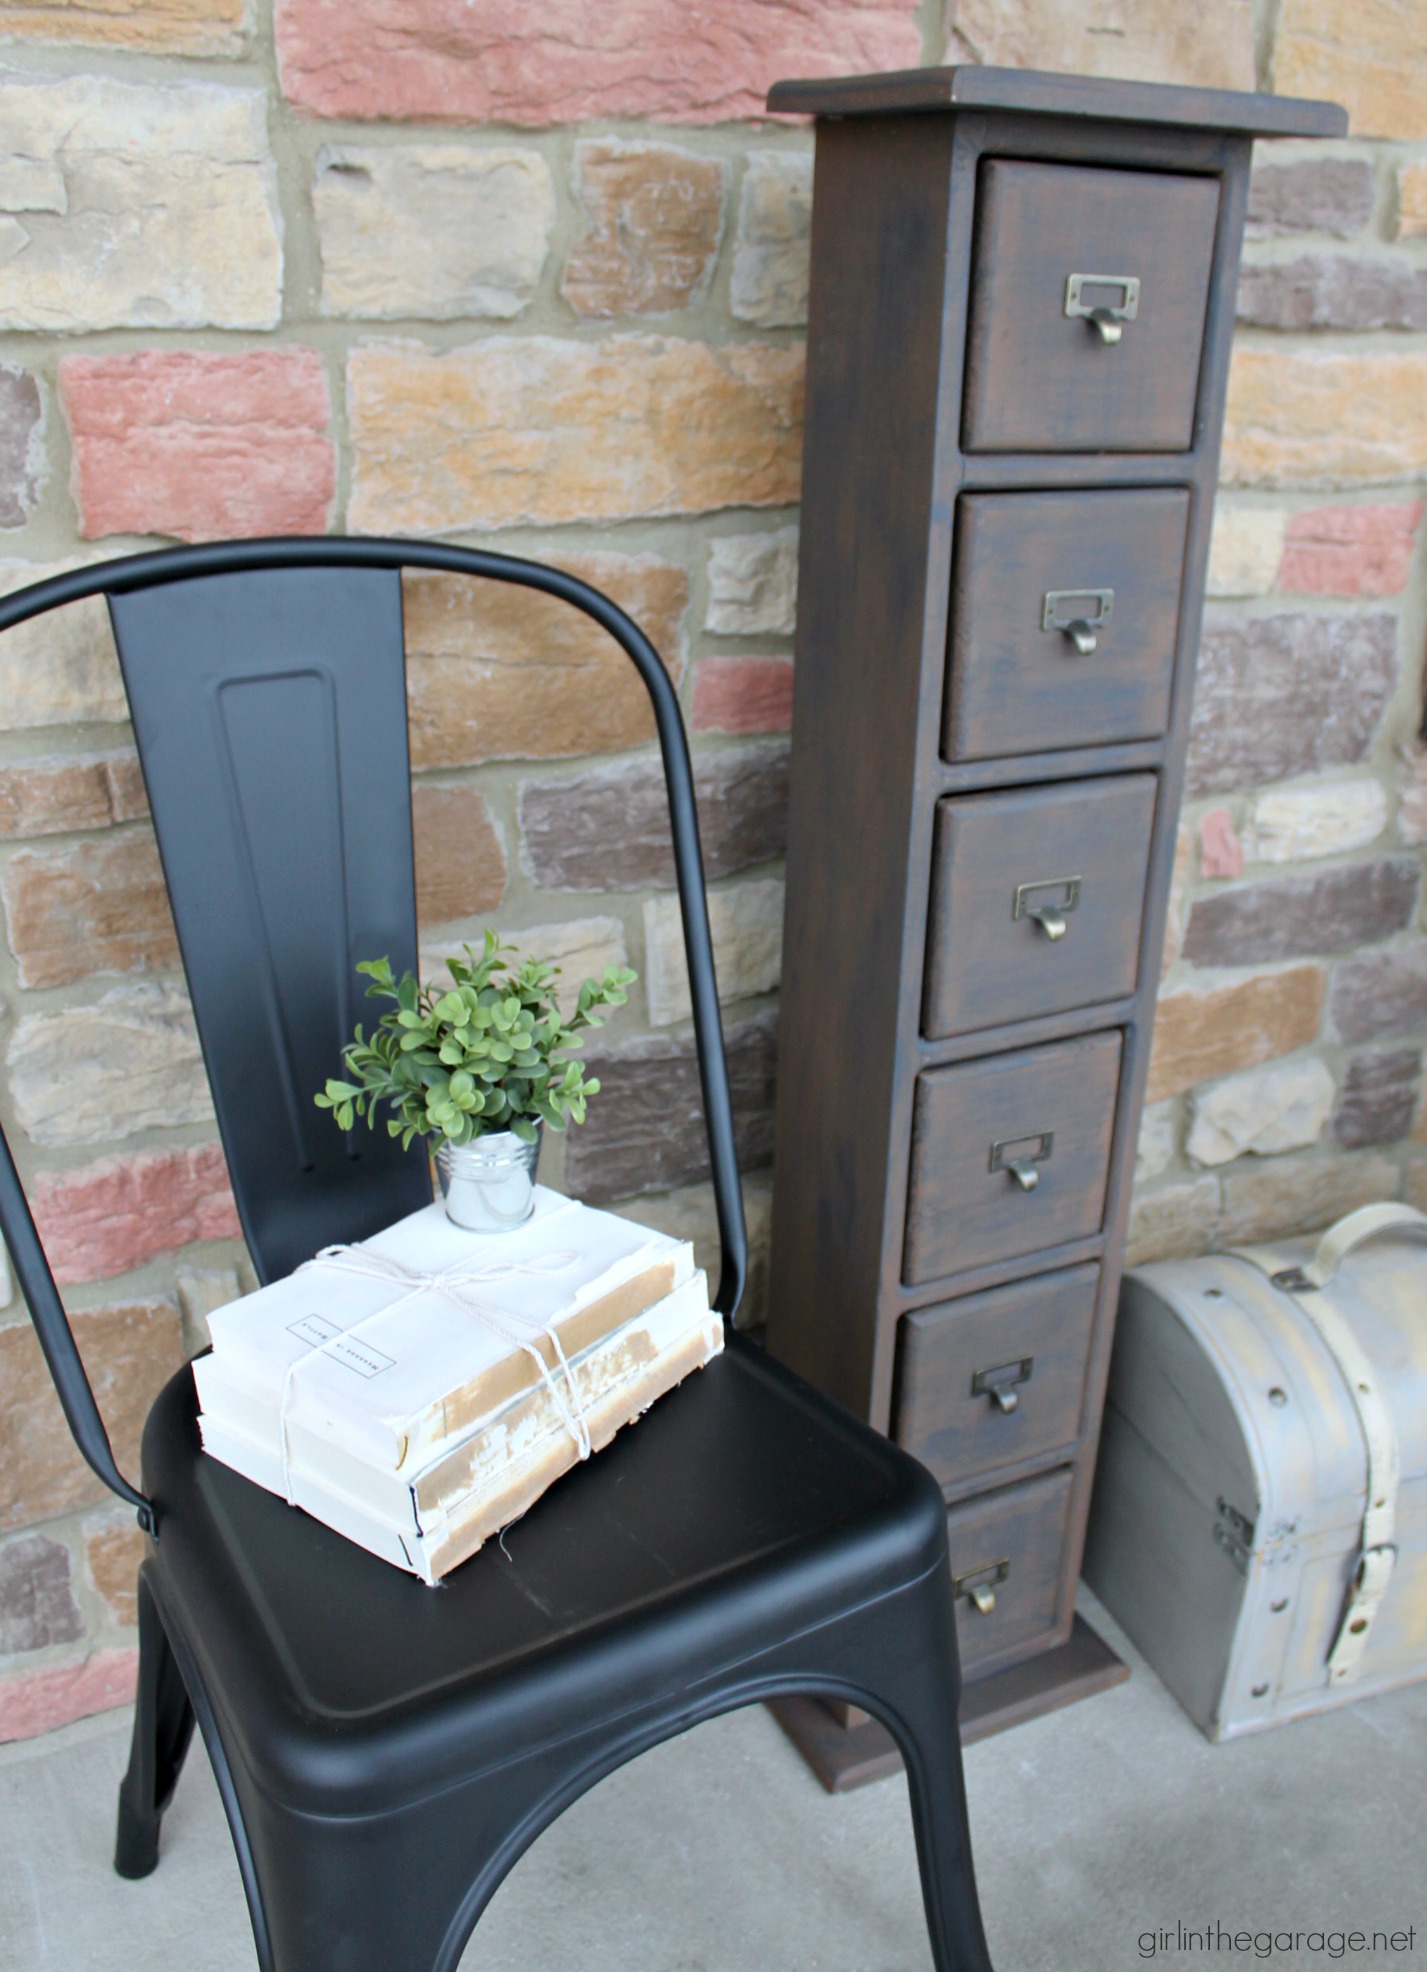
[[486, 61], [1349, 551], [38, 1701], [743, 695], [109, 1217], [1220, 851], [200, 445]]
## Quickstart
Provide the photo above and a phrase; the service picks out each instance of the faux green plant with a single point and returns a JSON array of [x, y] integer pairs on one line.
[[489, 1053]]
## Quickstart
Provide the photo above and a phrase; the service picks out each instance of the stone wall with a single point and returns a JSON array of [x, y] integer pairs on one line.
[[538, 277]]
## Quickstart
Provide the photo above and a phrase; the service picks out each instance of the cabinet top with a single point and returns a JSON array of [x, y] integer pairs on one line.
[[1038, 93]]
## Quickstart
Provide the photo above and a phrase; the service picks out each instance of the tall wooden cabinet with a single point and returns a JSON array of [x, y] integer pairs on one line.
[[1022, 303]]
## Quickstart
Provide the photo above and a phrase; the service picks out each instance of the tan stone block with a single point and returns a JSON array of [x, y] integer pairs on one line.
[[753, 584], [1173, 1223], [200, 1291], [1174, 918], [1368, 55], [1139, 40], [690, 1214], [1412, 200], [655, 215], [746, 925], [73, 791], [1202, 1033], [1297, 824], [460, 865], [1245, 549], [60, 669], [113, 1549], [138, 205], [95, 1074], [1292, 1195], [494, 672], [582, 948], [1264, 1111], [150, 27], [438, 230], [129, 1352], [540, 431], [101, 907], [1157, 1141], [1414, 1188], [769, 284], [1412, 815], [1299, 416]]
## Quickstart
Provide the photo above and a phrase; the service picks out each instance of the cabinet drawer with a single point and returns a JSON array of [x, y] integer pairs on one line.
[[1008, 1545], [1049, 1109], [1036, 901], [1087, 315], [1065, 608], [996, 1377]]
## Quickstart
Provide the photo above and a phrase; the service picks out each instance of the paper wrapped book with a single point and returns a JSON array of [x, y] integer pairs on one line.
[[421, 1390]]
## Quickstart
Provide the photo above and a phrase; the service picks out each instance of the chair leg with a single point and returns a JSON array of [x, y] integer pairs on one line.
[[163, 1726]]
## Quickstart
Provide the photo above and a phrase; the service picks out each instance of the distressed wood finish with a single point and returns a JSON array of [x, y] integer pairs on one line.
[[1039, 380], [1031, 1341], [887, 1253], [1015, 686], [1049, 1109], [1020, 1529], [1079, 855]]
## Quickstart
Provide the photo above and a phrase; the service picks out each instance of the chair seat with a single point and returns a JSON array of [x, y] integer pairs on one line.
[[743, 1509]]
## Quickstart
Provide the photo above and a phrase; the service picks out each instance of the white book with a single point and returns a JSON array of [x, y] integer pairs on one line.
[[521, 1427], [393, 1372], [430, 1540]]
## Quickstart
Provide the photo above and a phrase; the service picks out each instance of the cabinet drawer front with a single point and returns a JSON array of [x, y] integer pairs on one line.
[[1050, 1110], [1087, 319], [1036, 901], [1008, 1545], [1034, 572], [997, 1377]]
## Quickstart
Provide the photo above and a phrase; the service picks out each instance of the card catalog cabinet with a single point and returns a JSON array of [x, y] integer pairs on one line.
[[1021, 309]]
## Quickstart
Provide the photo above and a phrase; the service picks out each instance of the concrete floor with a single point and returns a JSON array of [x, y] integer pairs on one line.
[[719, 1852]]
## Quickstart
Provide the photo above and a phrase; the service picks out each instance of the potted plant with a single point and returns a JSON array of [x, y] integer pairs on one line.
[[480, 1068]]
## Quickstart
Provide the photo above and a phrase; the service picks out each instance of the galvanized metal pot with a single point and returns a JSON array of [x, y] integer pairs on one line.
[[489, 1185]]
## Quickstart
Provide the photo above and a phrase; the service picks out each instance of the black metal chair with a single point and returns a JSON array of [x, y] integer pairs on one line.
[[385, 1751]]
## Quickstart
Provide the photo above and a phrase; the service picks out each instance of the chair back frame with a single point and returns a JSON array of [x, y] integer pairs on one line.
[[132, 574]]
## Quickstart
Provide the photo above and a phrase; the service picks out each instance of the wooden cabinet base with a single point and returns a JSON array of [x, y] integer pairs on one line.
[[844, 1757]]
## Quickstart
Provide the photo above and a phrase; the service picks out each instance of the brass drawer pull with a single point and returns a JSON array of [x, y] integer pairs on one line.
[[999, 1384], [1051, 910], [1105, 317], [1021, 1155], [1077, 614], [978, 1585]]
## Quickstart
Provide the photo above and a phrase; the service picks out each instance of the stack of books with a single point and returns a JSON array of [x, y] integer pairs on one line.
[[421, 1390]]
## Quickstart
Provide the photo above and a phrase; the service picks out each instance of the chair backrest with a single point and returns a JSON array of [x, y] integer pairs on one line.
[[266, 680]]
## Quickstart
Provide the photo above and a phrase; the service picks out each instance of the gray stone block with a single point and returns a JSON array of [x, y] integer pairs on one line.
[[1333, 291], [37, 1605], [1295, 917], [1287, 694], [1378, 1100], [645, 1128], [609, 829], [1380, 993], [1318, 195]]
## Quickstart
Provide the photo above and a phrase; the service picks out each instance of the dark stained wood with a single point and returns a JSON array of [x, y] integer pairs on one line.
[[1015, 686], [887, 491], [844, 1760], [1016, 1534], [1039, 1331], [963, 1213], [1040, 381], [1039, 92], [1082, 846]]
